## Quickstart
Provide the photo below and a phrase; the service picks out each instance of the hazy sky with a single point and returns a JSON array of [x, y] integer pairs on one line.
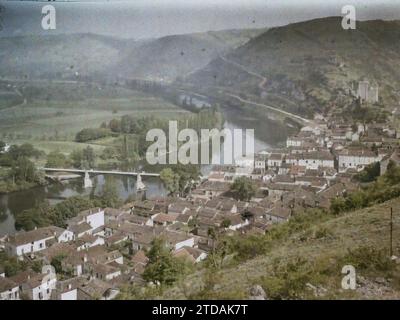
[[155, 18]]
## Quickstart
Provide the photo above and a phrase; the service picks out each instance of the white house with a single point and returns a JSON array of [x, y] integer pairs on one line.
[[356, 159], [194, 254], [278, 214], [81, 229], [314, 160], [294, 142], [39, 286], [177, 240], [236, 222], [63, 235], [244, 162], [275, 160], [9, 290], [259, 162], [105, 272], [178, 208], [70, 293], [35, 240], [86, 222], [88, 241], [340, 133], [94, 217]]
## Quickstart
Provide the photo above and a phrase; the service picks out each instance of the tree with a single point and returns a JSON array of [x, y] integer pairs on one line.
[[115, 125], [243, 188], [170, 180], [109, 195], [89, 134], [56, 159], [45, 215], [392, 174], [178, 178], [162, 266], [11, 265], [56, 262], [24, 150], [88, 157], [23, 170], [186, 174], [77, 158], [226, 223], [220, 248], [108, 153], [370, 172]]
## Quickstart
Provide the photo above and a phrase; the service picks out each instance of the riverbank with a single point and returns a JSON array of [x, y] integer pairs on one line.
[[268, 134], [7, 187]]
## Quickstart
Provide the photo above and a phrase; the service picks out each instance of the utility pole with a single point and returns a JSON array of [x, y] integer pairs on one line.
[[391, 232]]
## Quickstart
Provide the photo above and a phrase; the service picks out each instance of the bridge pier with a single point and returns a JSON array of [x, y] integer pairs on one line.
[[87, 182], [140, 186]]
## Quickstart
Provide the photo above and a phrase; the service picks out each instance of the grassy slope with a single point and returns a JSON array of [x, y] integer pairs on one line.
[[314, 255]]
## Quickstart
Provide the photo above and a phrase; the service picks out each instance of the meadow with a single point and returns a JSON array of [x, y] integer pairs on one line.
[[52, 114]]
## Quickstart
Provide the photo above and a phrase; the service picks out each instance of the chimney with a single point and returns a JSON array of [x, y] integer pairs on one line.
[[69, 286], [85, 258]]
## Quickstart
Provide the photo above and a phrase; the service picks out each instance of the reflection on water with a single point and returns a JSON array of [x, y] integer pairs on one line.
[[267, 133], [19, 201]]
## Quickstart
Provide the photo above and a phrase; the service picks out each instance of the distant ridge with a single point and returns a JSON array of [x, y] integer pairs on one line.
[[311, 63]]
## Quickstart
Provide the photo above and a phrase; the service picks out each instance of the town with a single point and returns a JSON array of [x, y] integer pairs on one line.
[[103, 249]]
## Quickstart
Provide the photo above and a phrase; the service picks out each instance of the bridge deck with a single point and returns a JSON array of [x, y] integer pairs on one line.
[[122, 173]]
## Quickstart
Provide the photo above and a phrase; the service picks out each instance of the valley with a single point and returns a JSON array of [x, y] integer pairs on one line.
[[314, 196]]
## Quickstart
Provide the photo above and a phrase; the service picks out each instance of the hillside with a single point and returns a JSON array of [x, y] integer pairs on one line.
[[304, 259], [310, 63], [172, 56], [56, 56], [89, 55]]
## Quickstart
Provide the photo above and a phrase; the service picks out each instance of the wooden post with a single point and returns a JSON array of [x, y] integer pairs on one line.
[[391, 232]]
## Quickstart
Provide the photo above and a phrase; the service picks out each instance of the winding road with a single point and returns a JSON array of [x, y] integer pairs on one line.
[[292, 115], [261, 85]]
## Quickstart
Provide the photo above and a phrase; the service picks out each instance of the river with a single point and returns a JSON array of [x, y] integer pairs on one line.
[[10, 204]]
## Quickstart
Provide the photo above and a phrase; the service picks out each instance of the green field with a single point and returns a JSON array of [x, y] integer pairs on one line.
[[50, 122], [50, 118]]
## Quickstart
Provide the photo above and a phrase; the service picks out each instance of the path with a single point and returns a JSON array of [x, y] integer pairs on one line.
[[261, 85], [292, 115]]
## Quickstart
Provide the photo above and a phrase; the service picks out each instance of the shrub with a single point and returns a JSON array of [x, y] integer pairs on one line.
[[249, 247], [89, 134], [369, 258]]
